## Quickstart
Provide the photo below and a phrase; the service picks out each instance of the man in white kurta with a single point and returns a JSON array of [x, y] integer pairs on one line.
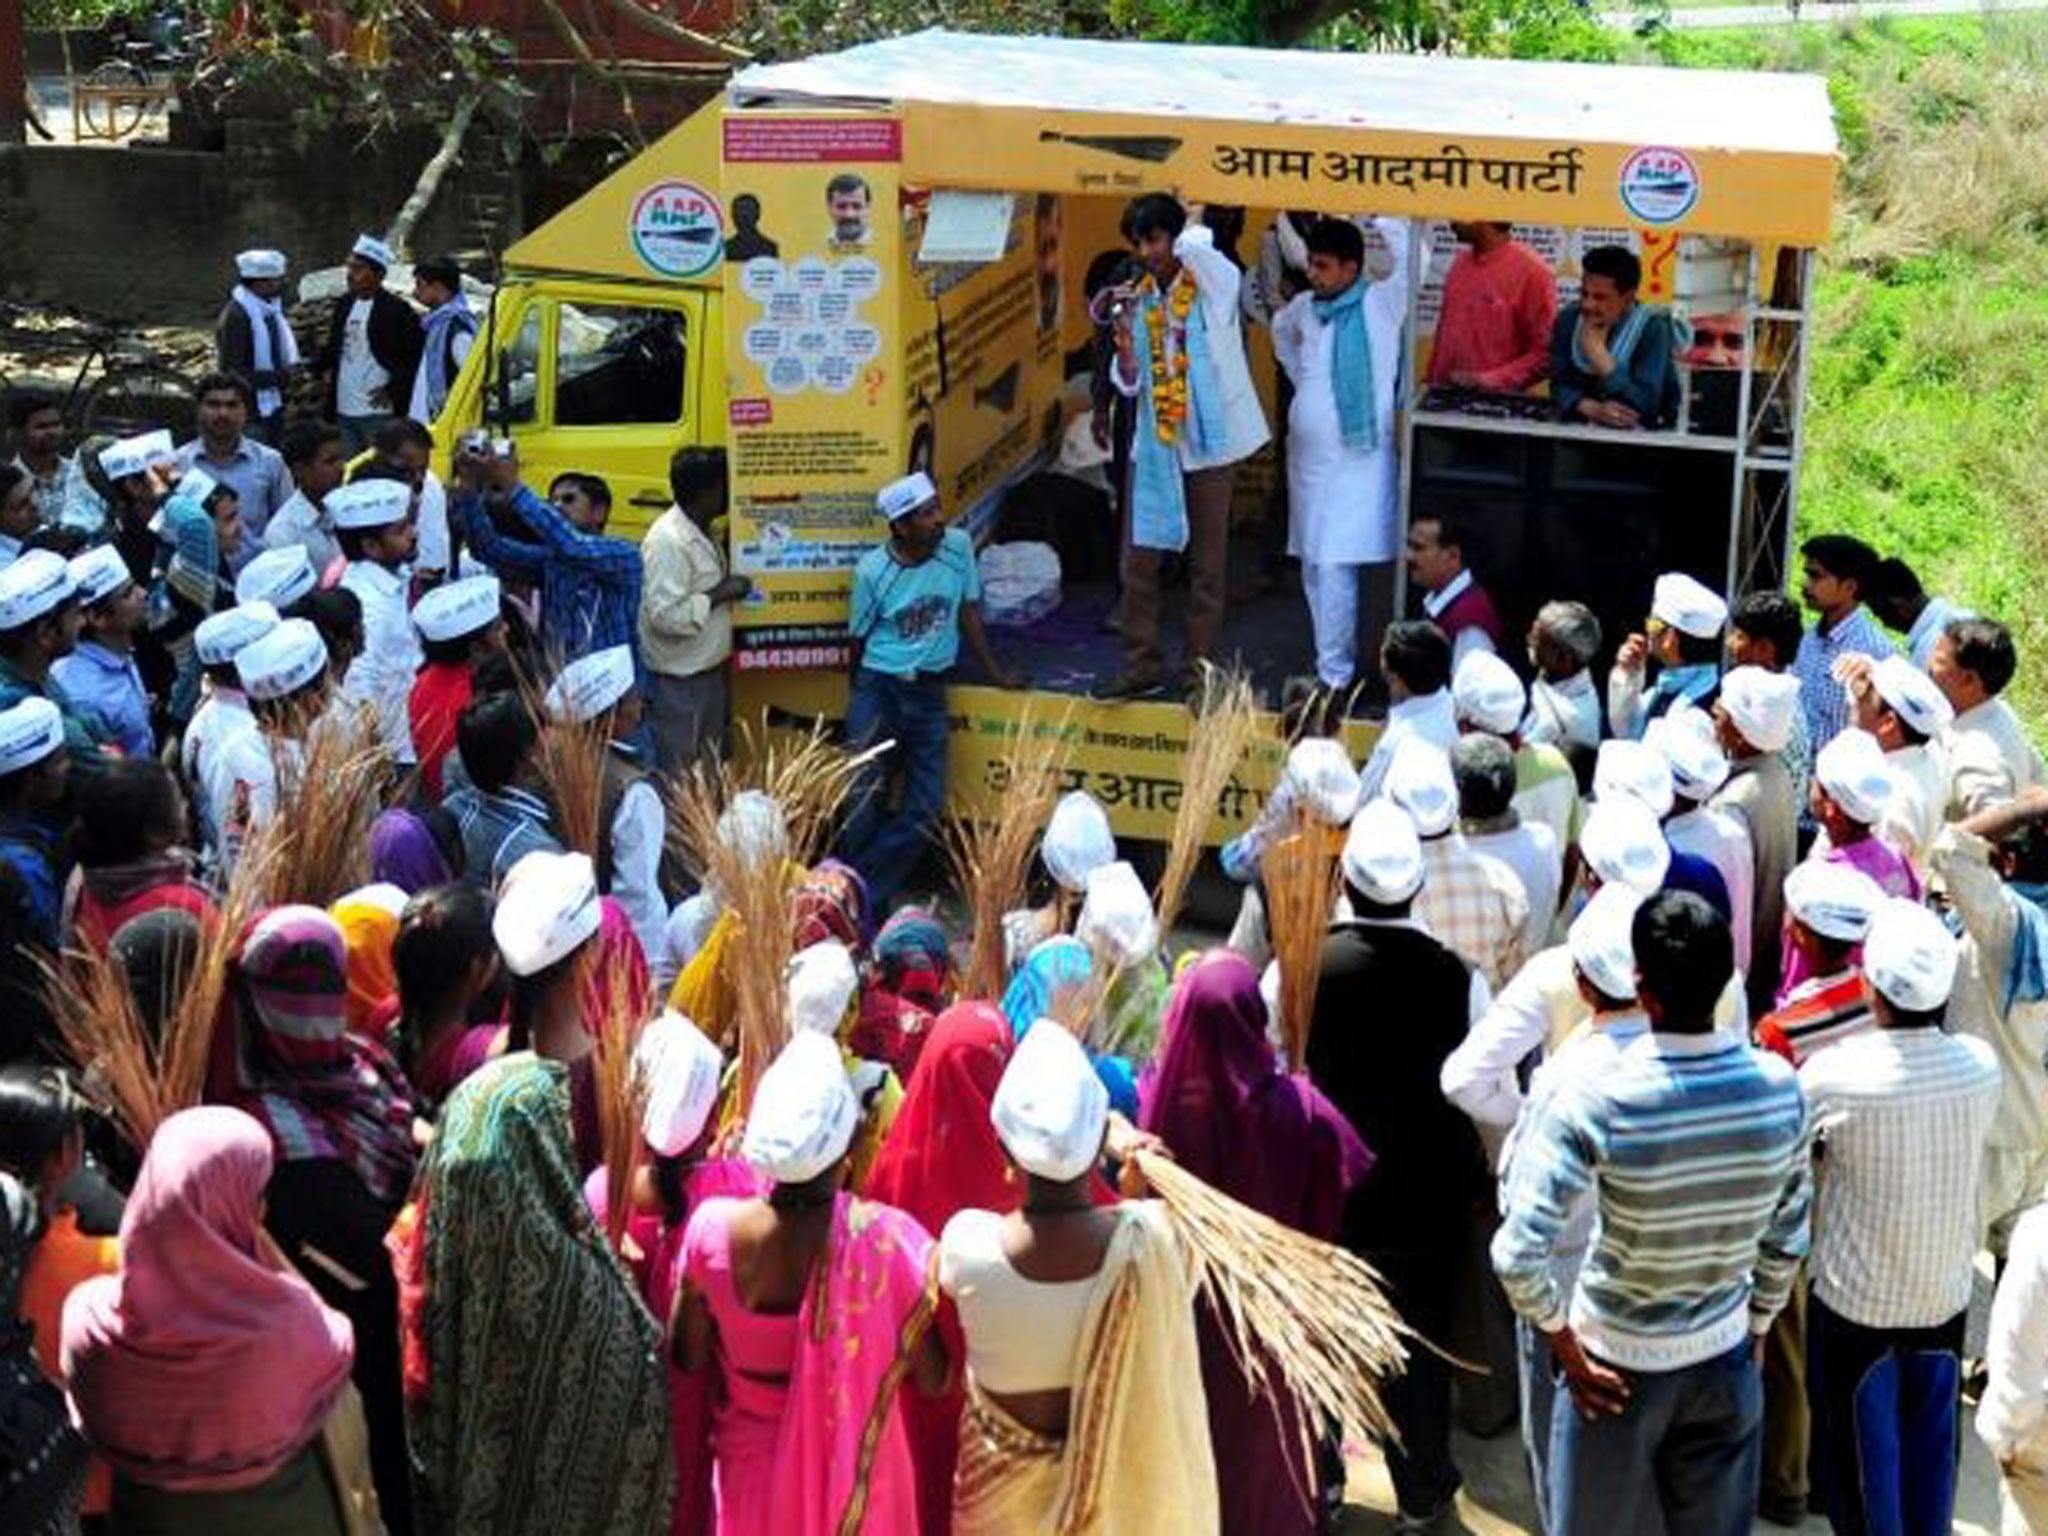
[[1342, 490]]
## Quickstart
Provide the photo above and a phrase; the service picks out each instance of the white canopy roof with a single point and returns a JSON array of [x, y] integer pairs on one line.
[[1689, 109]]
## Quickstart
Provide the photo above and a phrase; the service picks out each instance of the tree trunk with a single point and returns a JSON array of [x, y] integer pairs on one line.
[[399, 235]]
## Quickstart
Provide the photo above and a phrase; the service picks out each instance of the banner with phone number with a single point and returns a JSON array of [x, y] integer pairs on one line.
[[815, 425]]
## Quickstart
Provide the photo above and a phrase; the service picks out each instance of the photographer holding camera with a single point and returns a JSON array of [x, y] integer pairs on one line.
[[589, 583]]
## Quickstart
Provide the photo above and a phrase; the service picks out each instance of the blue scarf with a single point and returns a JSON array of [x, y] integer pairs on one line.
[[441, 322], [2026, 969], [1351, 367], [1064, 961], [1620, 344], [1159, 502]]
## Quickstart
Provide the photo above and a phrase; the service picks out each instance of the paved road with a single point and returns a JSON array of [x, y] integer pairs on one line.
[[1495, 1500], [1703, 17]]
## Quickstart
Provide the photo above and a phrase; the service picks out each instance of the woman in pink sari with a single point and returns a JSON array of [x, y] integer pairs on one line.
[[682, 1070], [812, 1308], [202, 1371], [1231, 1116]]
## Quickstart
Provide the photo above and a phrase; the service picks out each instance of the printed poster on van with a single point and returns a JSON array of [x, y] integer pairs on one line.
[[815, 425]]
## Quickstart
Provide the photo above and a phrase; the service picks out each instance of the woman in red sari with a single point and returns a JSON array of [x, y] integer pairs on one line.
[[813, 1308], [942, 1157]]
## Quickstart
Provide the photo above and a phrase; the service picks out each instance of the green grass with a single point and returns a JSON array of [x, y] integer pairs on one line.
[[1927, 406]]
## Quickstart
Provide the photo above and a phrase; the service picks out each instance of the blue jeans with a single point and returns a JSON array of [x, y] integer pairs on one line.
[[1887, 1412], [1685, 1452], [884, 845]]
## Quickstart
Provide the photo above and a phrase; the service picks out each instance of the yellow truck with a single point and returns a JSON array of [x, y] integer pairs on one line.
[[881, 259]]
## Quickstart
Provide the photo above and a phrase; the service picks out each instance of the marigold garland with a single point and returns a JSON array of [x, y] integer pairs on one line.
[[1170, 380]]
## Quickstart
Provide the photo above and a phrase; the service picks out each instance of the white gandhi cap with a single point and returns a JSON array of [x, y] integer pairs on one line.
[[804, 1113], [1050, 1109]]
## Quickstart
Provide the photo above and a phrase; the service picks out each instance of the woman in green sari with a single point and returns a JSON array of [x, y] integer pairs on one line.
[[536, 1398]]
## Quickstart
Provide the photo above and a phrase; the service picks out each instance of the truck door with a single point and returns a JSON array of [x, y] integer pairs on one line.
[[613, 392]]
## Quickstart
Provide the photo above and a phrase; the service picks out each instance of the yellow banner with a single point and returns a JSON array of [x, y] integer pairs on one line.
[[1760, 195], [812, 365], [1131, 757]]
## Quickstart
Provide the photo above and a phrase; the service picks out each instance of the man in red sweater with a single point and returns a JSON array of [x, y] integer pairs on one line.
[[1500, 301], [458, 624]]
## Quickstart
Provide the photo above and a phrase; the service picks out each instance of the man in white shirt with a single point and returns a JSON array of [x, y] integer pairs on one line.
[[1490, 698], [1180, 354], [2012, 1415], [1610, 1019], [596, 693], [1900, 705], [373, 346], [406, 446], [223, 711], [1564, 704], [316, 455], [1340, 343], [1900, 1113], [1415, 661], [1989, 756], [373, 519], [686, 601], [1695, 826], [1684, 638], [1994, 867]]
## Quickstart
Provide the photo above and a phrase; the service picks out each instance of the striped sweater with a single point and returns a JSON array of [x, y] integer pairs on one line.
[[1696, 1150]]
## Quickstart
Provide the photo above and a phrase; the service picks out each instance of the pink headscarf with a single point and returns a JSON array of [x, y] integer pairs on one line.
[[201, 1365]]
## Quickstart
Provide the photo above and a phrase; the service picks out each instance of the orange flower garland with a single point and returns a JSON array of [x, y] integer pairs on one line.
[[1170, 382]]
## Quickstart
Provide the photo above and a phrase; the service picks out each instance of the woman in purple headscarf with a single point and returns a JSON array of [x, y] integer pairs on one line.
[[1218, 1098]]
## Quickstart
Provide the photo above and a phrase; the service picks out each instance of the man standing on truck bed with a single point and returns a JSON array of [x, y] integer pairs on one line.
[[1180, 355], [914, 596]]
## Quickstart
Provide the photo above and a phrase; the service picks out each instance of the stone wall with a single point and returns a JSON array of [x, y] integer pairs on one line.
[[149, 234]]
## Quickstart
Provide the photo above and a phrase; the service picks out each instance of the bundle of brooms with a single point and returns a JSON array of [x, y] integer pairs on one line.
[[622, 1093], [139, 1076], [570, 760], [808, 778], [990, 854], [315, 848], [1295, 1310], [1299, 874], [1226, 716]]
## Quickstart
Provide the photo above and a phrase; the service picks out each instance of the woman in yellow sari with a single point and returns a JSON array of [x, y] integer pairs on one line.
[[1085, 1414]]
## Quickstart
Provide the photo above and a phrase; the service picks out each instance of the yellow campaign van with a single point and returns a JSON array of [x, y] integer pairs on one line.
[[882, 259]]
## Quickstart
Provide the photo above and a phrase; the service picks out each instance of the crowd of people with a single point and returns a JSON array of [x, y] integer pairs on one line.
[[1676, 1048]]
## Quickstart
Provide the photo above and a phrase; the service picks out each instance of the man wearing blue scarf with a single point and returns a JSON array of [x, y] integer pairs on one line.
[[1340, 343], [1610, 354], [1994, 866], [1180, 356], [450, 329]]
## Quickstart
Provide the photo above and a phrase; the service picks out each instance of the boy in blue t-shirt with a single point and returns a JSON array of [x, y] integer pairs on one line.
[[914, 596]]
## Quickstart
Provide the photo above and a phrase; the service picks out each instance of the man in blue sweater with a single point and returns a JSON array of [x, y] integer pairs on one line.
[[1695, 1148]]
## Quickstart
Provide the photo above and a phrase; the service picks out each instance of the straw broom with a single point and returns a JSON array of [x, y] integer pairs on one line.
[[315, 848], [140, 1079], [621, 1101], [1225, 721], [570, 760], [1299, 873], [1296, 1311], [990, 855], [808, 778]]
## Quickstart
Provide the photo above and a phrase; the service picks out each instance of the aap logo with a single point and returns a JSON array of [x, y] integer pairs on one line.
[[678, 229], [1659, 186]]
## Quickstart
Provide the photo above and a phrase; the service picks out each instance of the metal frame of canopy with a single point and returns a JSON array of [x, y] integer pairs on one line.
[[1739, 154]]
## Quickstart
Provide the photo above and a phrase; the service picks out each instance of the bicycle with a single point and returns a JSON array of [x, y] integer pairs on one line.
[[116, 98], [136, 390]]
